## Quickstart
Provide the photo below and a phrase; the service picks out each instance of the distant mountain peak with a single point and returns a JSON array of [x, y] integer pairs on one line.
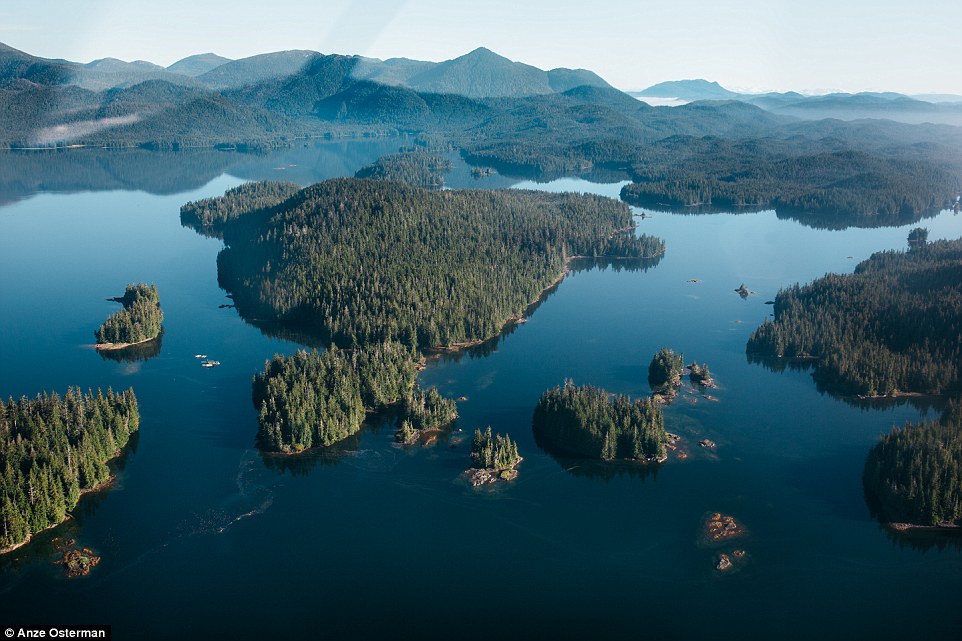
[[692, 89]]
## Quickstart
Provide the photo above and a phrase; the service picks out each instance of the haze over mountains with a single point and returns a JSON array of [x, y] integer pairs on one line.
[[521, 120], [932, 108]]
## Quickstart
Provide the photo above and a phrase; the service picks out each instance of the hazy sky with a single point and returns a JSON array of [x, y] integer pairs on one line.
[[814, 45]]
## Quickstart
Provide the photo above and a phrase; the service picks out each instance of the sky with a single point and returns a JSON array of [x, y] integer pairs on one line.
[[747, 45]]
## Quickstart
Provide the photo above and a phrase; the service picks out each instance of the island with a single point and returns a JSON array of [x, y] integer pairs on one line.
[[140, 320], [589, 422], [665, 372], [54, 449], [361, 264], [494, 458], [76, 561], [418, 167], [314, 399], [700, 375], [722, 527], [425, 412]]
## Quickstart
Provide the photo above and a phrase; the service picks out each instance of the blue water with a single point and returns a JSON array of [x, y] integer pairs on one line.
[[202, 537]]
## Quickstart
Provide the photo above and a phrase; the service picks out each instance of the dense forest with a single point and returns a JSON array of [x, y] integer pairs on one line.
[[855, 187], [210, 215], [419, 167], [914, 474], [665, 370], [52, 449], [140, 320], [892, 326], [493, 451], [360, 262], [589, 422], [425, 410], [312, 399]]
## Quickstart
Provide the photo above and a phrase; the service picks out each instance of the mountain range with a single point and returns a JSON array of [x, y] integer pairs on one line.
[[930, 108], [759, 150]]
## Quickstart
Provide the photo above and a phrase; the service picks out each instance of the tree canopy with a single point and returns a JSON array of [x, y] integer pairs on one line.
[[52, 448]]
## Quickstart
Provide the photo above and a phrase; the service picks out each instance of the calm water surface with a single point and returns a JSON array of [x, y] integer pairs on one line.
[[202, 537]]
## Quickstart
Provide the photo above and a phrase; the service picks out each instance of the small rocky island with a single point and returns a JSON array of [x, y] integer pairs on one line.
[[743, 291], [140, 320], [722, 527], [666, 370], [494, 457], [699, 375], [76, 561]]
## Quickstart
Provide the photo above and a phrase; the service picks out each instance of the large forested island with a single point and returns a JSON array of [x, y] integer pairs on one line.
[[139, 321], [54, 448], [363, 261], [891, 327], [589, 422]]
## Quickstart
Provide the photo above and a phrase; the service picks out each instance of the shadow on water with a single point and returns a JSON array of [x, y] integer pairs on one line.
[[779, 365], [924, 540], [134, 353], [347, 451], [24, 173], [596, 469], [827, 221]]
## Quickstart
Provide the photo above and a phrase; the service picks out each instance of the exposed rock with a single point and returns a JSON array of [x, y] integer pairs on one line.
[[724, 563], [78, 562], [721, 527], [707, 443]]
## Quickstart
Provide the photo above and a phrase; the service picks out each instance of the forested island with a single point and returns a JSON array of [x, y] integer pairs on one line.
[[140, 320], [53, 449], [425, 411], [913, 475], [361, 261], [891, 327], [418, 167], [589, 422], [312, 399], [495, 458], [665, 371]]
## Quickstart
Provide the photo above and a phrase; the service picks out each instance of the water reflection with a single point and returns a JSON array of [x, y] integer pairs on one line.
[[134, 353], [828, 221], [24, 173]]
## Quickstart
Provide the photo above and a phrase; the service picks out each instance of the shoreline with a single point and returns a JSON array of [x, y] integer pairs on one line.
[[436, 351], [110, 481], [907, 527], [109, 347]]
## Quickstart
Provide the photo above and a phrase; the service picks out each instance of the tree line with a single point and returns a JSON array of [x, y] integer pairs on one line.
[[418, 167], [52, 449], [914, 474], [891, 326]]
